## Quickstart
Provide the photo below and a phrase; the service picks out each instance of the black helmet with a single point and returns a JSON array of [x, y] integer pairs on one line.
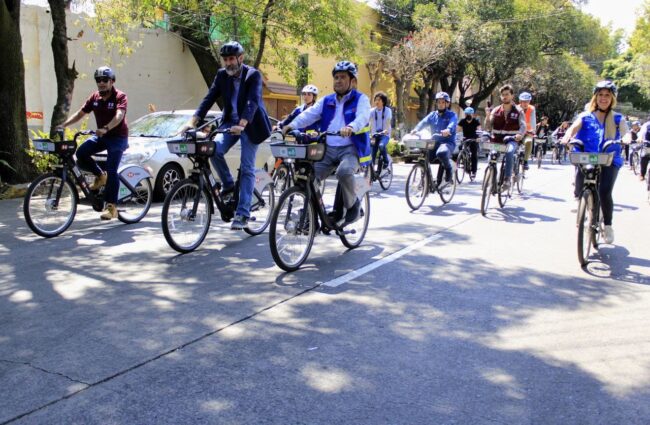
[[104, 71], [231, 48], [345, 66], [606, 84]]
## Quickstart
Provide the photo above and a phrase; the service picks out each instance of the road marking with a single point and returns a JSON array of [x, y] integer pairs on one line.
[[388, 259]]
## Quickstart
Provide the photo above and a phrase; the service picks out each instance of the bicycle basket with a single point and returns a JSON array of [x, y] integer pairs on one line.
[[586, 158], [58, 148], [311, 152], [191, 147], [419, 143], [496, 147]]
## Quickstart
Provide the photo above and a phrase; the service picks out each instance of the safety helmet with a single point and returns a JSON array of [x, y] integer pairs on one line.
[[310, 88], [637, 123], [104, 71], [606, 84], [525, 96], [231, 48], [469, 111], [345, 66], [443, 95]]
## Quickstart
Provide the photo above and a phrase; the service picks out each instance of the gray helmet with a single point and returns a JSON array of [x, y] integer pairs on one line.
[[443, 95], [104, 71], [231, 48], [345, 66], [606, 84]]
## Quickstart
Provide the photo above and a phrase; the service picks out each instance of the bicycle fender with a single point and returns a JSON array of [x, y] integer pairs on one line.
[[132, 174], [361, 185], [262, 179]]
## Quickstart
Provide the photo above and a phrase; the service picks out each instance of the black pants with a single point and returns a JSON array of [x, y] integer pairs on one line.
[[644, 164], [473, 148], [605, 188]]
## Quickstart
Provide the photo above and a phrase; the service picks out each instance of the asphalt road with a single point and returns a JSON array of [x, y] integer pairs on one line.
[[465, 320]]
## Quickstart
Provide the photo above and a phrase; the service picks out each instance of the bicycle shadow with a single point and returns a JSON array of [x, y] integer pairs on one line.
[[516, 214], [614, 262]]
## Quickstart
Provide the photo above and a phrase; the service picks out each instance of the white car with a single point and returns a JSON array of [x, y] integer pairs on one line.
[[148, 147]]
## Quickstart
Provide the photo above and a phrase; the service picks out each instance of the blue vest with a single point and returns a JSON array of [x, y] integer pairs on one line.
[[315, 126], [592, 134], [361, 140]]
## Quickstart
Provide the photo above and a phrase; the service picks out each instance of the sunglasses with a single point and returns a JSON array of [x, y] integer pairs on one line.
[[102, 79]]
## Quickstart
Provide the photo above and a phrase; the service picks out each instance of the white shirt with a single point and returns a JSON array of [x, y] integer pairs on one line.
[[380, 120], [314, 113]]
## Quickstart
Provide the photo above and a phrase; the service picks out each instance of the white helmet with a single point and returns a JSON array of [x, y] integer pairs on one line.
[[310, 88]]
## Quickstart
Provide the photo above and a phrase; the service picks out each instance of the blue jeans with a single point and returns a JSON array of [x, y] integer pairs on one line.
[[247, 174], [510, 158], [443, 152], [381, 146], [115, 147]]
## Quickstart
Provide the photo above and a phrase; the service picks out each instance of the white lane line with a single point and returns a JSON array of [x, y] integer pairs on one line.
[[388, 259]]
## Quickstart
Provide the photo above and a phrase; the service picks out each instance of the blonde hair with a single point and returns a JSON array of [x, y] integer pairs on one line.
[[610, 123]]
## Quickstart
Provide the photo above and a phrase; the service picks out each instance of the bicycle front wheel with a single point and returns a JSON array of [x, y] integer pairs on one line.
[[292, 231], [135, 206], [586, 235], [487, 189], [447, 193], [261, 210], [461, 163], [185, 230], [519, 178], [281, 179], [540, 153], [50, 205], [353, 233], [634, 163], [417, 186], [386, 176], [503, 195]]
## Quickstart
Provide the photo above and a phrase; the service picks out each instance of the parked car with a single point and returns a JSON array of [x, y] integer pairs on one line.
[[148, 147], [411, 154]]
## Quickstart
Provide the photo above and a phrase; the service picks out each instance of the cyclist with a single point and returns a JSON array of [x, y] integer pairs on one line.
[[240, 87], [109, 106], [380, 118], [346, 111], [471, 126], [309, 96], [594, 127], [444, 121], [531, 124], [644, 137], [630, 139], [505, 120], [558, 134], [542, 131]]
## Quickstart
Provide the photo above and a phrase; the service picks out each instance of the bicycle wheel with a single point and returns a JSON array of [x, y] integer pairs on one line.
[[47, 213], [487, 189], [183, 230], [503, 195], [519, 178], [261, 210], [554, 156], [540, 154], [634, 163], [293, 227], [386, 177], [461, 162], [417, 186], [281, 180], [134, 207], [585, 226], [447, 193], [354, 233]]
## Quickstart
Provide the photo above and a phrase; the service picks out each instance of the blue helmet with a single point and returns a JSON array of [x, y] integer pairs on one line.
[[443, 95], [606, 84], [104, 71], [525, 96], [469, 111], [345, 66], [231, 48]]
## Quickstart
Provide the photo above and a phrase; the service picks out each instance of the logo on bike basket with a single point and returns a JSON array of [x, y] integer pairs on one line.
[[182, 147], [593, 159], [291, 152]]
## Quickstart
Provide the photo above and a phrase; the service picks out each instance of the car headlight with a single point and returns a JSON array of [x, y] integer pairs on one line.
[[138, 157]]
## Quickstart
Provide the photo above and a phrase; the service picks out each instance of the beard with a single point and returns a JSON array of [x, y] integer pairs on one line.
[[233, 70]]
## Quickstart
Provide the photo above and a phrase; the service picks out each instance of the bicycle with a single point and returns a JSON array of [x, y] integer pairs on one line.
[[539, 144], [464, 162], [635, 159], [644, 150], [189, 205], [557, 153], [589, 221], [518, 169], [380, 172], [420, 182], [493, 181], [300, 209], [50, 204]]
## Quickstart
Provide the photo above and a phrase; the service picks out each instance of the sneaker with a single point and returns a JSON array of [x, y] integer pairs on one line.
[[100, 181], [239, 223], [472, 176], [505, 186], [444, 185], [110, 212], [608, 235], [335, 216], [526, 165], [641, 178], [353, 213]]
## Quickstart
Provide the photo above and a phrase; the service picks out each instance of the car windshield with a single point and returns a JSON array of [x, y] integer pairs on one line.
[[159, 125]]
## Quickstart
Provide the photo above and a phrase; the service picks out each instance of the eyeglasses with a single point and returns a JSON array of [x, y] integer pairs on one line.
[[102, 79]]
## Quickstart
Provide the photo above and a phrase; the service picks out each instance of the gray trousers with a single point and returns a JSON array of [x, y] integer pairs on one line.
[[346, 162]]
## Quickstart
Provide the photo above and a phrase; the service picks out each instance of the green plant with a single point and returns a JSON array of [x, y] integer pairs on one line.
[[394, 148], [43, 161]]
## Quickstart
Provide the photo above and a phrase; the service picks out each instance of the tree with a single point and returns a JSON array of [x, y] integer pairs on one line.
[[621, 70], [13, 120]]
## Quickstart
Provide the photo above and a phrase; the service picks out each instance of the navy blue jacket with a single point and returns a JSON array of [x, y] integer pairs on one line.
[[250, 105]]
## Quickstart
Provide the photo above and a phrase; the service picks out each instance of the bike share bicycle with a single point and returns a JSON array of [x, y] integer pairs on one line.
[[50, 204], [464, 162], [189, 205], [540, 145], [493, 181], [381, 172], [589, 220], [300, 209]]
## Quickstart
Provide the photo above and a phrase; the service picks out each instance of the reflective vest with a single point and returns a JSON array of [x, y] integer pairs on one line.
[[361, 139], [529, 112], [503, 125]]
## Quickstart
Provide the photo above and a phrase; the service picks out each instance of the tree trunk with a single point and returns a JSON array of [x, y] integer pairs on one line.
[[13, 119], [399, 95], [65, 76], [375, 69], [265, 20]]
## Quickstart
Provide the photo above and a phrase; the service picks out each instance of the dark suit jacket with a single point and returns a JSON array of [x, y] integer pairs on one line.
[[250, 105]]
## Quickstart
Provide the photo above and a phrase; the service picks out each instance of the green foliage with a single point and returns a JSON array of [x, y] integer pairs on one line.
[[394, 148], [43, 161], [621, 70]]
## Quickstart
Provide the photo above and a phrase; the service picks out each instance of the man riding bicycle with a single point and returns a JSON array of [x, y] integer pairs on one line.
[[380, 123], [506, 120], [442, 121], [109, 106], [240, 87], [471, 126], [346, 111], [531, 124], [644, 137]]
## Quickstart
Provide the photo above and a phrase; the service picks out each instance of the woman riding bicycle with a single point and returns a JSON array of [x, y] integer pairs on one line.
[[380, 117], [309, 96], [594, 127]]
